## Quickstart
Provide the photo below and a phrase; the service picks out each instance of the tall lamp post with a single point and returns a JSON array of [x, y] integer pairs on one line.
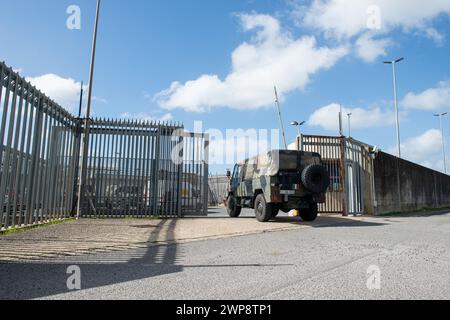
[[298, 125], [440, 116], [88, 115], [394, 63]]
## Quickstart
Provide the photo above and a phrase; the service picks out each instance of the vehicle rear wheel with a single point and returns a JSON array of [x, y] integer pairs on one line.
[[234, 211], [263, 210], [309, 215]]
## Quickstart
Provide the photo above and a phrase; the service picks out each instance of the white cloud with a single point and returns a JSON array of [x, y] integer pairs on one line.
[[100, 99], [369, 49], [65, 92], [430, 99], [349, 18], [435, 35], [425, 149], [328, 117], [271, 57], [360, 21], [146, 117]]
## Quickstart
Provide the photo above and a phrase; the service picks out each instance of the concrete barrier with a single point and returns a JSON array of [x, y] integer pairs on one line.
[[402, 186]]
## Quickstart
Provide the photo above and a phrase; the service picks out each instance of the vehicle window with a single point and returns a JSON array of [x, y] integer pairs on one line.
[[237, 172], [289, 162]]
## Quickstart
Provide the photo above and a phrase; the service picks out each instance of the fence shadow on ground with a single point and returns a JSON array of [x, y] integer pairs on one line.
[[46, 278]]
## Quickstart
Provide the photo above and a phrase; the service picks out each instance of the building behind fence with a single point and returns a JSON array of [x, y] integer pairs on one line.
[[130, 164], [219, 186]]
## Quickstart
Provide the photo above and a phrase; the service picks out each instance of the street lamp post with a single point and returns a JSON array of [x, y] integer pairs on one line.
[[440, 116], [298, 125], [393, 63], [88, 115], [349, 115]]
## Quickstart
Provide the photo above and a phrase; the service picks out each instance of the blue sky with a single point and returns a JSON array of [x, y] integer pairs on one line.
[[320, 53]]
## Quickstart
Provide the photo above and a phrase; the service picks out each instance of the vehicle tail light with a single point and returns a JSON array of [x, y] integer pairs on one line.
[[277, 198]]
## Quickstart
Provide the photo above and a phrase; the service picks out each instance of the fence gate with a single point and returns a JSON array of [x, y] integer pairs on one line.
[[332, 151], [349, 164], [194, 181], [358, 173], [133, 169]]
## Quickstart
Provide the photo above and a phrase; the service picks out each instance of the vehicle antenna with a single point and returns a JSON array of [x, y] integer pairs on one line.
[[281, 118]]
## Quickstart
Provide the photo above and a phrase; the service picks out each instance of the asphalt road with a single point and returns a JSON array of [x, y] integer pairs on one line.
[[323, 261]]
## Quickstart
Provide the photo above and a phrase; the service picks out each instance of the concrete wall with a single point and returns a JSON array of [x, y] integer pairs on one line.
[[419, 187]]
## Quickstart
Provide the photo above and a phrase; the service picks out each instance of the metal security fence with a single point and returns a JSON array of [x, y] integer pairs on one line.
[[37, 144], [134, 168]]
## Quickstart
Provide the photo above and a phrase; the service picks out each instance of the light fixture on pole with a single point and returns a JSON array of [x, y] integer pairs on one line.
[[299, 135], [393, 63], [349, 115], [88, 114], [440, 116], [298, 125]]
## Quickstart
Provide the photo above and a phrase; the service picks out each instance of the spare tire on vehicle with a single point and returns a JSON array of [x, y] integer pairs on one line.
[[316, 178]]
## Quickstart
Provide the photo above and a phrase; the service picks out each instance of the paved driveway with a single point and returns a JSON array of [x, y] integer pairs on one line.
[[326, 259], [105, 235]]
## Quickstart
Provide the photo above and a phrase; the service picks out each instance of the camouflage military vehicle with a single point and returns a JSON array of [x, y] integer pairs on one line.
[[278, 181]]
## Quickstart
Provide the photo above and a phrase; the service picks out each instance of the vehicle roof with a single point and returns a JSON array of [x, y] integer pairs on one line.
[[275, 153]]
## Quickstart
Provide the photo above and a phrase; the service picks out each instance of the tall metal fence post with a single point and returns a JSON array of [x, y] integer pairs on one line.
[[34, 161], [205, 174], [76, 157], [180, 156], [343, 163]]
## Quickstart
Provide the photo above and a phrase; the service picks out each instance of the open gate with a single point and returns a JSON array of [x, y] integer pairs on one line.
[[349, 163]]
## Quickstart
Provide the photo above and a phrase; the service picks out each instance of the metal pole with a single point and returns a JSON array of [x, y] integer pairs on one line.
[[443, 143], [81, 100], [349, 125], [394, 75], [443, 139], [396, 111], [88, 113], [280, 118]]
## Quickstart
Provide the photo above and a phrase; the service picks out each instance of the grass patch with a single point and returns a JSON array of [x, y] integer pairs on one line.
[[418, 211], [34, 226]]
